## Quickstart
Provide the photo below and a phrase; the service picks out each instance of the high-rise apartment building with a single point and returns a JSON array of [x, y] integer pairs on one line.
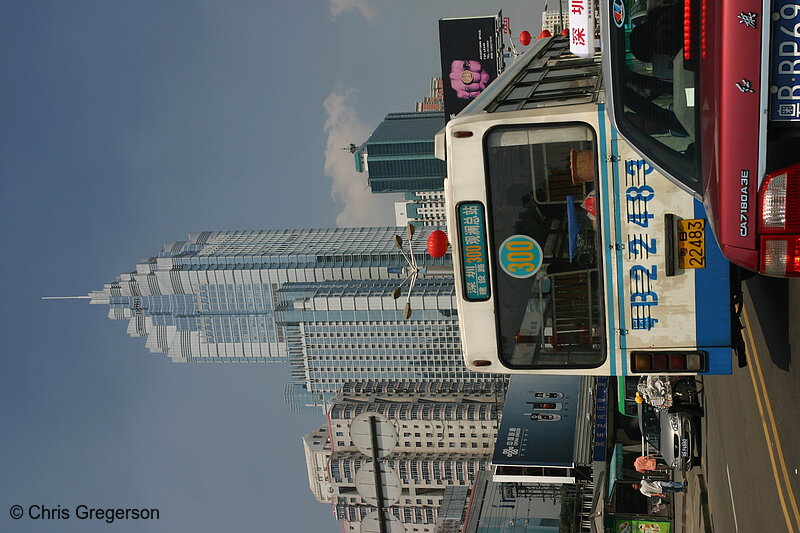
[[424, 208], [399, 155], [555, 20], [319, 299], [444, 434], [340, 331]]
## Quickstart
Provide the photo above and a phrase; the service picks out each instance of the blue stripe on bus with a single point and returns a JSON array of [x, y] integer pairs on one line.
[[713, 304], [720, 360], [621, 300], [603, 192]]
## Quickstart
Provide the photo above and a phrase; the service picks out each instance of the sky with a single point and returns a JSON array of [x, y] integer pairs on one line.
[[127, 124]]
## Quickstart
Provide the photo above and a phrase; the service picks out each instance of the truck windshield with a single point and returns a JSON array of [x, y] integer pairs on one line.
[[541, 183], [654, 88]]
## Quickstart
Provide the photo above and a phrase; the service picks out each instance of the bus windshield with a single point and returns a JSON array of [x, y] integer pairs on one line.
[[654, 87], [541, 185]]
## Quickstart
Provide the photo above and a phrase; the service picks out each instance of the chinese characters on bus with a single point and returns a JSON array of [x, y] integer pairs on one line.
[[643, 297], [473, 245]]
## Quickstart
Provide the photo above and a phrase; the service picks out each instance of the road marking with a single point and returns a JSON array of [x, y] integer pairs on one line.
[[733, 504], [771, 432]]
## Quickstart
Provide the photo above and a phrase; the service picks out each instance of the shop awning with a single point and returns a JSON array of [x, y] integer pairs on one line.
[[614, 468]]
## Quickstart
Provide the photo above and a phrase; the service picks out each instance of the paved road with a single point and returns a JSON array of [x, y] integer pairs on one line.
[[751, 431]]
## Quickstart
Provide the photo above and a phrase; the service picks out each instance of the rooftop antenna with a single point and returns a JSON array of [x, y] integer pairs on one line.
[[66, 297]]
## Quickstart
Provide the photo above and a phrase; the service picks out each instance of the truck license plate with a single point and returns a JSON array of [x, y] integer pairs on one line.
[[784, 93], [692, 243]]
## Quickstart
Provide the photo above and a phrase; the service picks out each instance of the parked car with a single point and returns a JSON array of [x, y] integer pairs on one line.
[[671, 434]]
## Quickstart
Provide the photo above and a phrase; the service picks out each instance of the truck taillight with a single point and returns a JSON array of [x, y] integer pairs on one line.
[[646, 362], [779, 223], [780, 255], [780, 201], [687, 30]]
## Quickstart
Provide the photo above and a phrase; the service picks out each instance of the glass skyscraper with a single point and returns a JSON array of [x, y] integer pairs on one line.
[[399, 155], [319, 299]]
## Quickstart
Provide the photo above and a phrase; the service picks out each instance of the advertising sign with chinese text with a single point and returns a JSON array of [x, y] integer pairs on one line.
[[581, 27], [474, 256], [600, 445]]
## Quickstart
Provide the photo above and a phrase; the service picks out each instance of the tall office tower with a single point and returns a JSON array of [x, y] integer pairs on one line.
[[340, 331], [425, 208], [443, 435], [399, 155], [319, 299], [435, 99]]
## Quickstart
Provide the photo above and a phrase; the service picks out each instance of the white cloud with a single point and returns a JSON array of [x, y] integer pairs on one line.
[[362, 6], [361, 207]]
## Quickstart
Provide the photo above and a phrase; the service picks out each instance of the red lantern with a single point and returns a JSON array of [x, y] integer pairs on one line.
[[565, 32], [437, 243], [525, 38], [545, 33]]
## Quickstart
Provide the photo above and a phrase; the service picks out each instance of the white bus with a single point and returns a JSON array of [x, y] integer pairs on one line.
[[571, 254]]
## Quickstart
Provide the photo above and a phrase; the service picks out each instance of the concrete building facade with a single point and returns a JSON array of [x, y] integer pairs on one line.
[[445, 434], [424, 208]]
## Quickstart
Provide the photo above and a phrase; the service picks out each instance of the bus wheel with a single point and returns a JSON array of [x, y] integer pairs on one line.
[[685, 388]]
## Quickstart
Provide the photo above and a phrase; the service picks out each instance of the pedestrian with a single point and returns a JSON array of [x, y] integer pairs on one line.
[[645, 463], [658, 488]]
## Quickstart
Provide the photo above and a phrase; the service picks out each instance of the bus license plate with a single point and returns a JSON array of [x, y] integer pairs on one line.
[[784, 93], [692, 243]]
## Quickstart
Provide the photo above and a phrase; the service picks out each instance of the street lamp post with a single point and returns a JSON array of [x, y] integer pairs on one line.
[[412, 269]]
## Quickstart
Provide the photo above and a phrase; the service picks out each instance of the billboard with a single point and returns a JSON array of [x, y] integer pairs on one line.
[[471, 53], [539, 421], [600, 444]]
